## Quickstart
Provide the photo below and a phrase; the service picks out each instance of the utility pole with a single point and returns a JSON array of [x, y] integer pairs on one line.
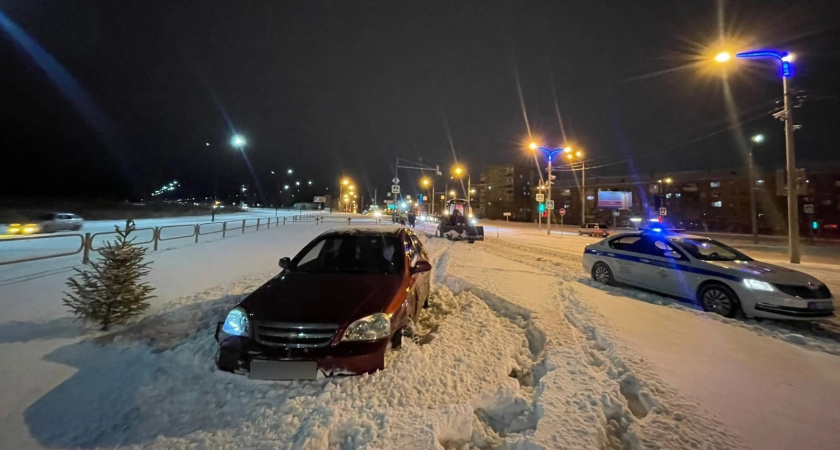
[[757, 139]]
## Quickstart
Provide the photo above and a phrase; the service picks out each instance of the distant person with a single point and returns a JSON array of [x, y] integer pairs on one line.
[[412, 219], [455, 218]]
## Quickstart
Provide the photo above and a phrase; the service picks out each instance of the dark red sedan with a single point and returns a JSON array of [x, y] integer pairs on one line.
[[335, 309]]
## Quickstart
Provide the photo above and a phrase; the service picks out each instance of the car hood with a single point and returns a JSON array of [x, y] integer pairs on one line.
[[321, 298], [765, 272]]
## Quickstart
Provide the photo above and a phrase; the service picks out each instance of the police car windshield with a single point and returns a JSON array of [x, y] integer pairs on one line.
[[710, 250]]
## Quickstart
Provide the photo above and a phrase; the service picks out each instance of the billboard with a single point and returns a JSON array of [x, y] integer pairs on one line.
[[619, 200], [319, 199]]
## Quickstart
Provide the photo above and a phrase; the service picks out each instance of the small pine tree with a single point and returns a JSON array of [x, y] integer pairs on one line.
[[112, 292]]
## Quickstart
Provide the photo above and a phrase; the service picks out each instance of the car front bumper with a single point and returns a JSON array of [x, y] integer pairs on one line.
[[778, 305], [345, 358]]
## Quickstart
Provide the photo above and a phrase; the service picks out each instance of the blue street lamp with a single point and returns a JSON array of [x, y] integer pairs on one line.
[[786, 115], [549, 154]]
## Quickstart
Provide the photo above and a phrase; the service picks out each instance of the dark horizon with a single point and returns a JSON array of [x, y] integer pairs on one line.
[[332, 89]]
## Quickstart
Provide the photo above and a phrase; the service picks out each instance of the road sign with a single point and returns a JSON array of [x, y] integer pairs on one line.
[[395, 188], [562, 212], [507, 214], [549, 204], [663, 211], [540, 197], [395, 180], [319, 199], [808, 209]]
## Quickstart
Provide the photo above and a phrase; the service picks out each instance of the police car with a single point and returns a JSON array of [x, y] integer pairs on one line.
[[716, 276]]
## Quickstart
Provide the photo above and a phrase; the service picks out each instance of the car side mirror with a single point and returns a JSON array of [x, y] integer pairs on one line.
[[421, 266], [284, 262], [672, 254]]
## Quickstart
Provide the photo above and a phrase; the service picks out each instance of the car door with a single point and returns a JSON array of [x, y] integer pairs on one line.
[[666, 268], [623, 256], [423, 279], [413, 256]]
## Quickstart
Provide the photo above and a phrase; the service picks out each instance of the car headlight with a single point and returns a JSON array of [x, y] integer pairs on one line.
[[14, 228], [758, 285], [30, 228], [473, 222], [376, 326], [236, 323]]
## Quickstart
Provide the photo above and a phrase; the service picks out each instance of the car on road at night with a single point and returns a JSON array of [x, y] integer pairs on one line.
[[335, 309], [594, 229], [719, 278], [48, 223]]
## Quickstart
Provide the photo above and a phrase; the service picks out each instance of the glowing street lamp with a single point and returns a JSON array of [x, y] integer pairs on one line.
[[237, 141], [459, 171], [785, 61], [723, 57]]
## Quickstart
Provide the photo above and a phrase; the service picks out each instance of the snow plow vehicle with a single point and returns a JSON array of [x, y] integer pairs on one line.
[[458, 223]]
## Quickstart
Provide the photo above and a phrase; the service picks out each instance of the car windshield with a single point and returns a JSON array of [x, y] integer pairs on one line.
[[46, 217], [352, 253], [710, 250]]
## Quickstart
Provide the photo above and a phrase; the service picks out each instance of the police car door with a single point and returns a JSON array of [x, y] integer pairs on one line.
[[623, 256], [667, 269]]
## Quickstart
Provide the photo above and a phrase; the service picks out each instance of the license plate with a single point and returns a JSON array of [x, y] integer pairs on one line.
[[283, 370], [820, 305]]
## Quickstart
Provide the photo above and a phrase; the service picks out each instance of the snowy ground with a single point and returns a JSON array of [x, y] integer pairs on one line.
[[517, 350]]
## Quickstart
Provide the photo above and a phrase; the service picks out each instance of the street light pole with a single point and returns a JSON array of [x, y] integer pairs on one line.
[[787, 115], [582, 193], [792, 200], [757, 139], [548, 198]]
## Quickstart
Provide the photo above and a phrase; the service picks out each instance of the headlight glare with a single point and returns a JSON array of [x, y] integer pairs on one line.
[[376, 326], [236, 323], [758, 285]]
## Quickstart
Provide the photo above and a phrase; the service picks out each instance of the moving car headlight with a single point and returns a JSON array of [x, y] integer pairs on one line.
[[14, 228], [376, 326], [758, 285], [473, 221], [236, 323], [30, 228]]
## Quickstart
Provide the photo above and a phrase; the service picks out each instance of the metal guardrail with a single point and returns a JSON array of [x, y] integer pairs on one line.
[[227, 228], [82, 246]]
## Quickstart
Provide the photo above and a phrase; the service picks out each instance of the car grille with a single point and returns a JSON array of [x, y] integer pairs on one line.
[[294, 335], [806, 292]]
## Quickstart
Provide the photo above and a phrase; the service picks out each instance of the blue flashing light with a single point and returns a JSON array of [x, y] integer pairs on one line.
[[783, 57], [656, 230]]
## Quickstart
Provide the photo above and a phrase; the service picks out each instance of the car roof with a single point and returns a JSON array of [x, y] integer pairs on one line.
[[370, 230], [664, 233]]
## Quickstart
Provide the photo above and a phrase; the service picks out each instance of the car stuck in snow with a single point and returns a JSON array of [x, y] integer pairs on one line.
[[718, 277], [335, 308]]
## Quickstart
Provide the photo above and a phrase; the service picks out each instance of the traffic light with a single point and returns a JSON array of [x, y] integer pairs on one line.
[[542, 207], [814, 225]]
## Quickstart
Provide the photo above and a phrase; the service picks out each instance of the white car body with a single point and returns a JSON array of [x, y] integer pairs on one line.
[[763, 290]]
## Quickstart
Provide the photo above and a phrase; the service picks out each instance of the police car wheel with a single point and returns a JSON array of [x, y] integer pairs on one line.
[[602, 274], [719, 299]]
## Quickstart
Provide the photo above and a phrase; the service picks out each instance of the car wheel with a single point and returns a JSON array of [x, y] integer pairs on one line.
[[602, 274], [718, 298]]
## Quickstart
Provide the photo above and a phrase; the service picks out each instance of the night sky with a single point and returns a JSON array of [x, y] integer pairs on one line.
[[333, 88]]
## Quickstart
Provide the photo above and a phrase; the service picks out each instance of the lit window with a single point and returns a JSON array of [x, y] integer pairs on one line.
[[715, 184], [717, 204]]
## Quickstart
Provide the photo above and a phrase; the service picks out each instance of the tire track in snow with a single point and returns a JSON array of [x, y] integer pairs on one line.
[[630, 406], [503, 413]]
